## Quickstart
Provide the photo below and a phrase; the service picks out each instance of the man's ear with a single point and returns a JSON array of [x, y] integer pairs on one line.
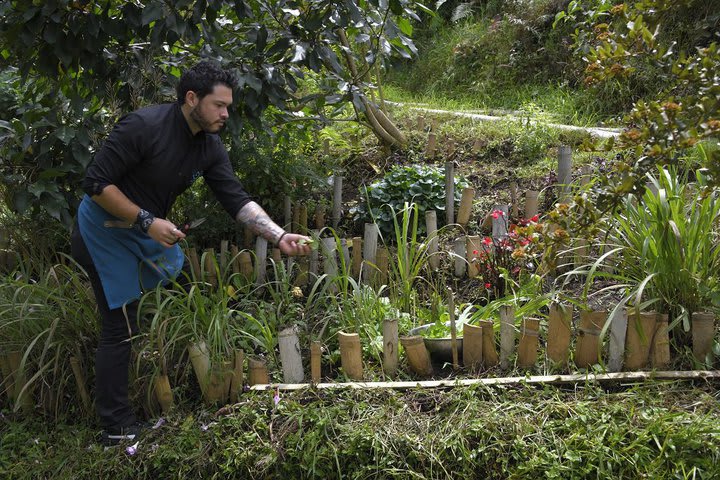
[[191, 98]]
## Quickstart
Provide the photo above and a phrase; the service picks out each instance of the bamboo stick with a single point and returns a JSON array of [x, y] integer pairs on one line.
[[163, 393], [315, 361], [319, 216], [390, 346], [382, 260], [351, 355], [582, 378], [417, 355], [449, 193], [453, 331], [432, 235]]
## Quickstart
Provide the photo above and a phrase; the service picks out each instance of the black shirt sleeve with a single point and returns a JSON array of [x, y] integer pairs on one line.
[[121, 151], [223, 182]]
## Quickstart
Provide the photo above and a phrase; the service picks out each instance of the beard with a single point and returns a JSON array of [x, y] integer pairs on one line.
[[205, 125]]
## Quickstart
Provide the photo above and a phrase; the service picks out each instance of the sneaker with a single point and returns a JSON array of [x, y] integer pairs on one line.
[[113, 436]]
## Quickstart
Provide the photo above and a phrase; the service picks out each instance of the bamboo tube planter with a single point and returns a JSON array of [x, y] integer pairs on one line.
[[703, 332], [660, 351], [257, 371], [236, 384], [163, 393], [531, 203], [194, 262], [80, 383], [390, 346], [472, 347], [559, 333], [431, 145], [473, 245], [303, 218], [7, 373], [459, 248], [370, 245], [587, 351], [500, 224], [200, 360], [382, 260], [507, 335], [245, 265], [466, 201], [564, 173], [417, 355], [616, 347], [528, 347], [315, 361], [351, 355], [22, 394], [290, 358], [337, 200], [638, 340], [319, 216], [210, 272], [224, 247], [357, 256], [489, 351], [261, 246]]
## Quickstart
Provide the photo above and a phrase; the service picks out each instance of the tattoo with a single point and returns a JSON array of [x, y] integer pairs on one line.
[[253, 216]]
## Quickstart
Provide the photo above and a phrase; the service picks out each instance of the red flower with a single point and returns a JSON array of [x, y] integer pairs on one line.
[[487, 241], [497, 214], [475, 252], [487, 286], [535, 218]]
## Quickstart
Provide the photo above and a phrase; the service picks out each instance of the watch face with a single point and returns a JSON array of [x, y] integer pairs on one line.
[[146, 223]]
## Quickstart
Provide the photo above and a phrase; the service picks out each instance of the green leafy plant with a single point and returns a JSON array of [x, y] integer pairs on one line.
[[419, 184], [666, 248]]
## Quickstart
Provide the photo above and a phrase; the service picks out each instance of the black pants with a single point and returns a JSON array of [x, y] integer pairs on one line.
[[112, 358]]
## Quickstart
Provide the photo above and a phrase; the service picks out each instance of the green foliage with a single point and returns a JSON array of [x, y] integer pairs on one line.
[[419, 184], [80, 64], [666, 249], [663, 431], [631, 45]]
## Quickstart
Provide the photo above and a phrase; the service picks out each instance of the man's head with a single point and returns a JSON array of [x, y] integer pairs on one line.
[[205, 93]]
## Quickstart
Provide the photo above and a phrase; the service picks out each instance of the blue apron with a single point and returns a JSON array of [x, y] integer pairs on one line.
[[127, 260]]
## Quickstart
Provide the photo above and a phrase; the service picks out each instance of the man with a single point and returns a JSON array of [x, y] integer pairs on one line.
[[122, 237]]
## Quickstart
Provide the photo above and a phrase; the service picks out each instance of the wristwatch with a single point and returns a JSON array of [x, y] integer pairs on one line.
[[144, 220]]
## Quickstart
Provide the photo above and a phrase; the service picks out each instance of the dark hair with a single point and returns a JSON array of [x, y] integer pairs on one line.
[[202, 79]]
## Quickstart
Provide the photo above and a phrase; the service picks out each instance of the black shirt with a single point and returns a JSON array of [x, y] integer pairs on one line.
[[152, 156]]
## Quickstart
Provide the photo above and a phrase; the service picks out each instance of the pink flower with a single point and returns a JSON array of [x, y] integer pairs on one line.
[[487, 241], [475, 252], [487, 286], [535, 218], [497, 214]]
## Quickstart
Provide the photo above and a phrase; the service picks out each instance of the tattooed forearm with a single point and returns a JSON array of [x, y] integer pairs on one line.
[[253, 216]]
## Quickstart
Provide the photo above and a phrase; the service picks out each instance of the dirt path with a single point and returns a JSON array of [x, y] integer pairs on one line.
[[597, 131]]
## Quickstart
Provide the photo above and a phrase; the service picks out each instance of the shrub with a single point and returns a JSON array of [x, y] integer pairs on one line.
[[422, 185]]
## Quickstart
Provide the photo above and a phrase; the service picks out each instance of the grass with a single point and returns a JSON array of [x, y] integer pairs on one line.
[[653, 430]]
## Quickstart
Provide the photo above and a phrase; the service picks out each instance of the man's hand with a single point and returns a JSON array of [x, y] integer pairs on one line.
[[294, 244], [165, 232]]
